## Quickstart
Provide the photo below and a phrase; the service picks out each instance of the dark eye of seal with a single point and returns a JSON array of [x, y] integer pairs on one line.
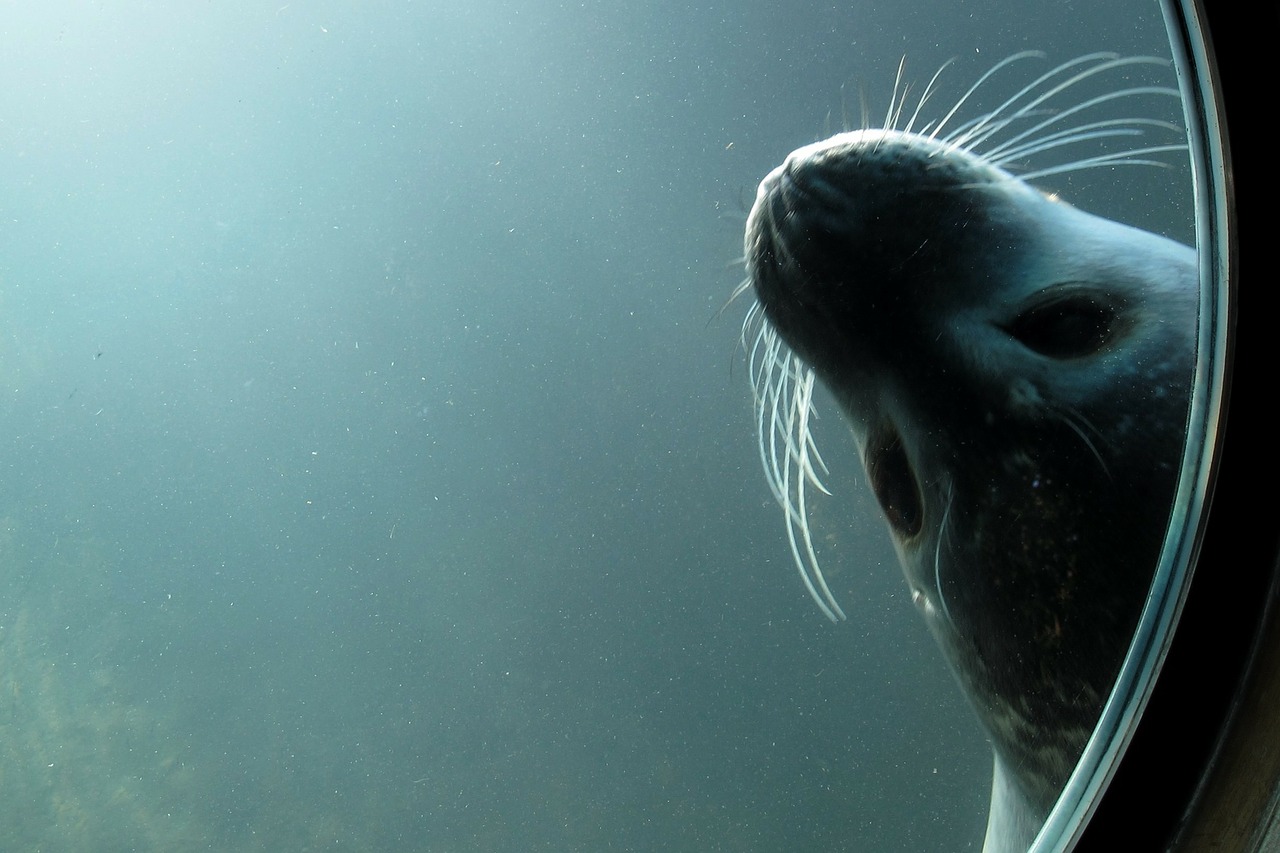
[[894, 484], [1066, 326]]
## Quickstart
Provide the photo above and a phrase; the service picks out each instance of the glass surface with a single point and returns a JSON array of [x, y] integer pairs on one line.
[[379, 466], [1214, 235]]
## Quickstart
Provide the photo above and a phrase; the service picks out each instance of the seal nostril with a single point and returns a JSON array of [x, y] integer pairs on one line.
[[895, 484]]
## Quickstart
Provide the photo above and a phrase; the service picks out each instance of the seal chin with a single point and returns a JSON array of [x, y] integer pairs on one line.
[[1016, 374]]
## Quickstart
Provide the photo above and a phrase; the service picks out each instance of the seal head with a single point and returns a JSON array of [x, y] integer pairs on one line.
[[1016, 373]]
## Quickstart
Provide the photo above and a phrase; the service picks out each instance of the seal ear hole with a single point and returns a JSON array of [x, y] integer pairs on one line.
[[895, 485], [1066, 326]]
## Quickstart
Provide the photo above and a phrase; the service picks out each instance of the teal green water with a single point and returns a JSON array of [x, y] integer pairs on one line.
[[377, 472]]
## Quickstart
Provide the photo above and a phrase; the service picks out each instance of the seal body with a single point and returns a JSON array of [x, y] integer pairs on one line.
[[1016, 373]]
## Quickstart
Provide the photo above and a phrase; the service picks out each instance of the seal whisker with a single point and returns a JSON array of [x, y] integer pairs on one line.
[[864, 107], [1004, 109], [779, 423], [997, 154], [755, 314], [783, 388], [970, 134], [1032, 107], [926, 95], [1118, 158], [743, 287], [987, 126], [1109, 128], [808, 565], [1109, 62], [779, 378], [772, 392], [794, 428], [753, 318], [774, 395], [783, 395], [897, 97], [941, 125], [798, 424], [1065, 138], [805, 450], [943, 531], [760, 368], [1081, 426]]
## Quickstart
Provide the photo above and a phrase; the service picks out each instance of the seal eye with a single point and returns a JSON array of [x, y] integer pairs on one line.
[[1068, 326], [895, 484]]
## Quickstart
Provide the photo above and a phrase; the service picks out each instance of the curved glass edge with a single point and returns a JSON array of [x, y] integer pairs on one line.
[[1206, 144]]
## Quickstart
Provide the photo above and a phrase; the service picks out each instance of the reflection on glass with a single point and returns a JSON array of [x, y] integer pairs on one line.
[[1016, 373]]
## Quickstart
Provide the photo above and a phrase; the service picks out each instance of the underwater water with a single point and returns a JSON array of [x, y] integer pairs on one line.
[[378, 465]]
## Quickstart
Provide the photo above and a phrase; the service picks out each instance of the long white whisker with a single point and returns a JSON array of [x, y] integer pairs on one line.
[[895, 100], [1070, 417], [800, 415], [925, 95], [1119, 158], [941, 125], [1107, 129], [783, 388], [803, 438], [965, 140], [937, 555], [979, 129], [995, 154]]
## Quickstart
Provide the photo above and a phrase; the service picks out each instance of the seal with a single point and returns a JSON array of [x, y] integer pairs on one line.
[[1016, 373]]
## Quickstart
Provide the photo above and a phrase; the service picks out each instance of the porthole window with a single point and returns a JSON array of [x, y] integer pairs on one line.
[[1033, 387], [387, 388]]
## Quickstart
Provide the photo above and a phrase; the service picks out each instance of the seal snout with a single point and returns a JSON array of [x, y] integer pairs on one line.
[[801, 220], [814, 192], [870, 203]]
